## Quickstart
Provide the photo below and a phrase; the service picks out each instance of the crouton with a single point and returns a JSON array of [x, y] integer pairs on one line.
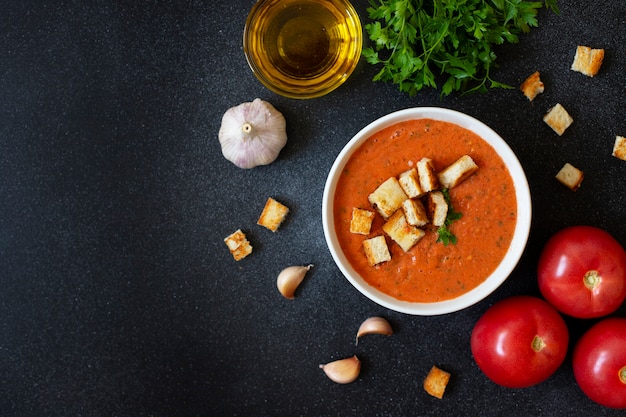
[[436, 382], [401, 232], [361, 222], [409, 181], [438, 208], [588, 61], [376, 250], [532, 86], [427, 175], [273, 214], [619, 148], [415, 212], [238, 245], [558, 119], [570, 176], [458, 172], [388, 197]]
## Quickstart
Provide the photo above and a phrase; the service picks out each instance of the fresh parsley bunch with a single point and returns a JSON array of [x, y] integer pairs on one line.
[[420, 41]]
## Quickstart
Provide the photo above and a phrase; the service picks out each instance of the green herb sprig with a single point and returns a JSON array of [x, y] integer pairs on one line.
[[444, 235], [417, 42]]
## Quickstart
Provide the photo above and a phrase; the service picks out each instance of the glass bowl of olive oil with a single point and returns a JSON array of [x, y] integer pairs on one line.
[[302, 48]]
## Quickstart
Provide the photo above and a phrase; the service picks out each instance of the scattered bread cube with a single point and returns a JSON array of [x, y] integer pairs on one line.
[[405, 235], [458, 172], [436, 382], [587, 60], [532, 86], [427, 175], [376, 250], [619, 148], [238, 245], [388, 197], [558, 119], [570, 176], [438, 208], [409, 181], [273, 214], [361, 222], [415, 212]]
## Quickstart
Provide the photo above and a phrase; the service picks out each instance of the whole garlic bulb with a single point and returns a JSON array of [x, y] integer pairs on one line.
[[252, 134]]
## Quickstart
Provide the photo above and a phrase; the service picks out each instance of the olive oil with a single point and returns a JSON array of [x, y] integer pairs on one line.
[[303, 47]]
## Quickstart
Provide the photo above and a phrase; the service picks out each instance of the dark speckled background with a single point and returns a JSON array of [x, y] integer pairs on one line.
[[119, 297]]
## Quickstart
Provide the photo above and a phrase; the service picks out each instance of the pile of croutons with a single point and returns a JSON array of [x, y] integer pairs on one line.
[[407, 203]]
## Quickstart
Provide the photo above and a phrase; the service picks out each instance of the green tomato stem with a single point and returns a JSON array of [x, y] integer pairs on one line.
[[537, 344], [591, 279]]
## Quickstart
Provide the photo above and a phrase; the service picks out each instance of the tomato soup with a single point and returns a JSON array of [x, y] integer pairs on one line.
[[430, 271]]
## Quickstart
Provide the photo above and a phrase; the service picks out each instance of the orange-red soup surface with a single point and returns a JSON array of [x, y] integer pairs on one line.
[[430, 271]]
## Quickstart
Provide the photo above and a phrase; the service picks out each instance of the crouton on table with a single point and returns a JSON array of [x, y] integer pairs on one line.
[[588, 60], [619, 148], [570, 176], [532, 86], [558, 119], [238, 245], [436, 382], [273, 214]]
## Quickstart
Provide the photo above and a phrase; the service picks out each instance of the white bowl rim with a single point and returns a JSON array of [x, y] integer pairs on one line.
[[520, 235]]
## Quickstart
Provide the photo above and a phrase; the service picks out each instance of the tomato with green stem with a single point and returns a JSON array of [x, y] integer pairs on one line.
[[520, 341], [599, 362], [582, 272]]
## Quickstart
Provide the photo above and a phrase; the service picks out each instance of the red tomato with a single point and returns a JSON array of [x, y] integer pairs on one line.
[[599, 361], [582, 272], [520, 341]]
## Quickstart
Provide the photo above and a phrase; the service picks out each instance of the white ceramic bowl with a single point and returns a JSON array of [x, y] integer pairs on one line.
[[512, 256]]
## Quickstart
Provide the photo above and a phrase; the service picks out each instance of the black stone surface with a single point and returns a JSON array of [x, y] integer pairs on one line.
[[118, 296]]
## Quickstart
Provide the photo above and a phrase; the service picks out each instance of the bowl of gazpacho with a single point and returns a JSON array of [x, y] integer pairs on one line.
[[426, 211]]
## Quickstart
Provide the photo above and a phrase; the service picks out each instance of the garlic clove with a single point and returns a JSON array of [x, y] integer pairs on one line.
[[290, 278], [252, 134], [374, 325], [343, 371]]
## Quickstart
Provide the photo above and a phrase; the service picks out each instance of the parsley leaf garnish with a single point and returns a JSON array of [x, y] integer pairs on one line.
[[422, 42], [444, 235]]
